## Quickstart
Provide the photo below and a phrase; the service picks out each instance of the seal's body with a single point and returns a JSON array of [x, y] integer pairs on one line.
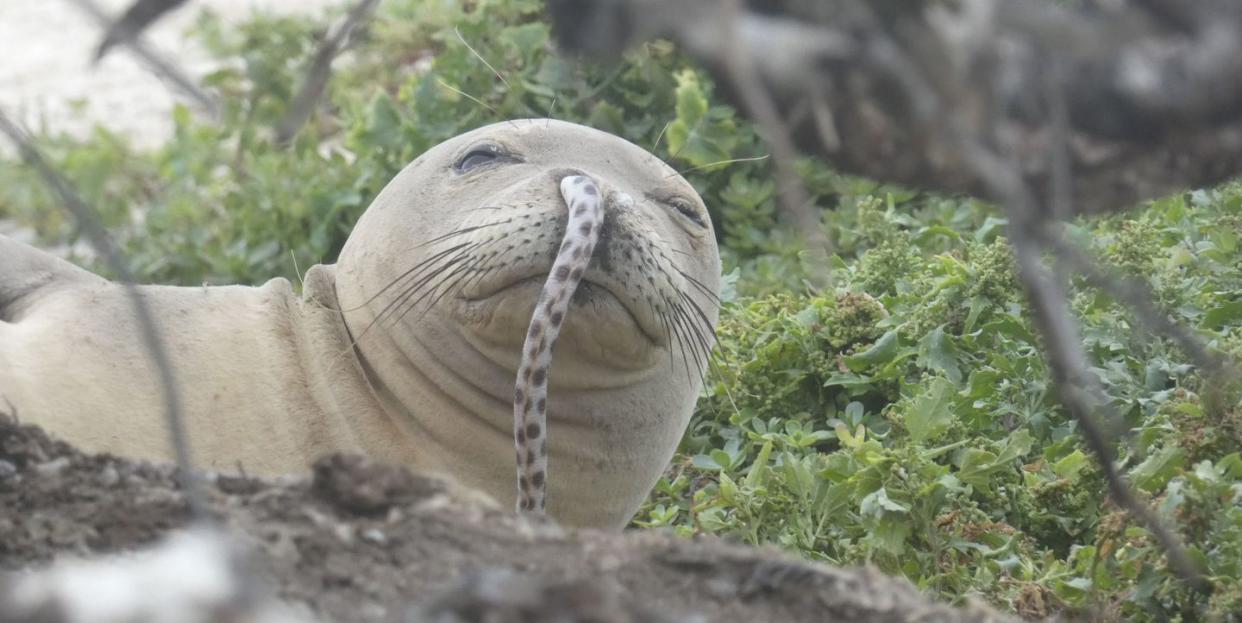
[[408, 347], [262, 382]]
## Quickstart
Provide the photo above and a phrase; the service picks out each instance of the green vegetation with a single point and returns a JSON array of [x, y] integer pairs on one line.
[[900, 417]]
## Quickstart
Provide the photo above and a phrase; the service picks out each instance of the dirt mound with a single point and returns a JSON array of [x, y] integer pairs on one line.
[[361, 541]]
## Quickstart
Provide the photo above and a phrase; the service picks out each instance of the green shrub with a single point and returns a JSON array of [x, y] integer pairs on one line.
[[926, 440]]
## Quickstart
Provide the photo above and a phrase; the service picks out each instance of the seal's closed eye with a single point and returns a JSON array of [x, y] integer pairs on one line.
[[683, 205], [687, 210], [480, 155]]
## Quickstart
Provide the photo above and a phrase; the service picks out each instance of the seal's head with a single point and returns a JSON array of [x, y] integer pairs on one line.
[[439, 279]]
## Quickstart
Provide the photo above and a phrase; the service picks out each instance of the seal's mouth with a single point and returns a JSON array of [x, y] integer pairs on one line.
[[592, 291]]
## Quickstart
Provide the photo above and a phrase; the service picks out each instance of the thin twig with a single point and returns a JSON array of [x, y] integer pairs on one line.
[[721, 162], [1075, 386], [320, 71], [1138, 296], [156, 63], [943, 109], [140, 14], [1152, 107], [479, 56], [89, 223], [467, 96], [1078, 391], [793, 197]]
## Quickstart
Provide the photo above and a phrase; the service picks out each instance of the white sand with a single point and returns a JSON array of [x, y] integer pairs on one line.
[[46, 74], [47, 79]]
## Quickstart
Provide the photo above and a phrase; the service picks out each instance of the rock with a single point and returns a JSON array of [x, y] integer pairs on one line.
[[422, 548]]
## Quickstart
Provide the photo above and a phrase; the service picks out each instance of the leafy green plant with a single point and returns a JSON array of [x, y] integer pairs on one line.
[[920, 435]]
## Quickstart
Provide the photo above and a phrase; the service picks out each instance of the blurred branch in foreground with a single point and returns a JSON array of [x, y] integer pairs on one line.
[[1152, 99], [316, 81], [158, 65], [1051, 111], [135, 20]]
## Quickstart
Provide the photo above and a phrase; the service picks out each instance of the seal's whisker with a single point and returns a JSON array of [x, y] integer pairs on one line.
[[668, 338], [467, 96], [706, 338], [694, 128], [477, 256], [465, 279], [699, 285], [551, 109], [688, 351], [412, 298], [417, 267], [679, 331], [707, 322], [476, 273], [462, 250], [463, 231], [479, 56], [419, 283], [718, 163], [393, 305], [661, 135], [416, 280], [704, 332], [465, 274], [456, 275], [478, 276], [698, 346]]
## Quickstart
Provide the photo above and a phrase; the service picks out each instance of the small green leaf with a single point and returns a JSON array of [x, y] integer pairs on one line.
[[978, 465], [883, 351], [890, 535], [705, 462], [876, 503], [1224, 314], [1156, 470], [931, 413], [728, 489], [759, 468], [1069, 466], [978, 303], [936, 352]]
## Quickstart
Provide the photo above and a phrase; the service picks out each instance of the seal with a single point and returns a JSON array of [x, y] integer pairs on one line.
[[407, 349]]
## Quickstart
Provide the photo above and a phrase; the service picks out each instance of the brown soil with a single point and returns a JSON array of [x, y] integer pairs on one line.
[[361, 541]]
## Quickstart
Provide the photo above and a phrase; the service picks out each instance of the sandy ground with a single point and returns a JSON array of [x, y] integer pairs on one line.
[[48, 80], [47, 77], [365, 542]]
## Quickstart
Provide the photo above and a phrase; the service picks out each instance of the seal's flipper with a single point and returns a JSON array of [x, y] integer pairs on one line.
[[26, 272]]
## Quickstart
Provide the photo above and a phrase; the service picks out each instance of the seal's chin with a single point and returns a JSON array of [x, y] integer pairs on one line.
[[599, 325]]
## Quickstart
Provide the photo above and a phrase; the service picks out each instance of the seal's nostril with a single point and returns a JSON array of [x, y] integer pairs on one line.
[[560, 174]]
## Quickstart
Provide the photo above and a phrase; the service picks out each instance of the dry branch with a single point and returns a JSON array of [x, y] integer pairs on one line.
[[320, 71], [88, 221], [136, 18], [1152, 96], [158, 65]]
